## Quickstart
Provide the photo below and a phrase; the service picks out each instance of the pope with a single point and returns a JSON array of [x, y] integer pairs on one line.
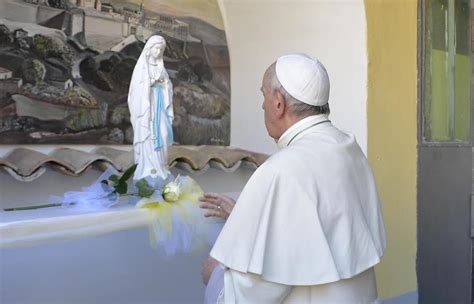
[[308, 225]]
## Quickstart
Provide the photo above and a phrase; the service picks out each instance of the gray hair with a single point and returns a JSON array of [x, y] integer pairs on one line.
[[297, 107]]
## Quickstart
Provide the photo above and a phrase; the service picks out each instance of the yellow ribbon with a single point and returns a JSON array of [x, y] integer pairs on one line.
[[161, 212]]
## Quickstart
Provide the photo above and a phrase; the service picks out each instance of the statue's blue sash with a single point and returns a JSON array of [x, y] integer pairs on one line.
[[160, 108]]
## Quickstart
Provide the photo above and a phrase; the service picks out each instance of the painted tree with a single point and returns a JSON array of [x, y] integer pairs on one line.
[[34, 71], [46, 47]]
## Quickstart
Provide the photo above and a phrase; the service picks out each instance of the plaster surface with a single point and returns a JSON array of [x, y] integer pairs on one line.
[[392, 133]]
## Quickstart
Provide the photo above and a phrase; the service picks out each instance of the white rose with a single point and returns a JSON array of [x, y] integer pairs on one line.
[[171, 192]]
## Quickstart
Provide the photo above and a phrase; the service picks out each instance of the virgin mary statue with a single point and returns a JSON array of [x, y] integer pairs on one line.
[[151, 111]]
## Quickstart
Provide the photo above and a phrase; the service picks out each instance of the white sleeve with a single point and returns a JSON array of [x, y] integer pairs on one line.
[[249, 288]]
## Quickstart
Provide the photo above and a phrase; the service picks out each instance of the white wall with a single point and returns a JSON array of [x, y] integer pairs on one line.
[[260, 31], [113, 268]]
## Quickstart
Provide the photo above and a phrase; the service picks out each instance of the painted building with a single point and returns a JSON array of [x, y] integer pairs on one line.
[[168, 25], [71, 22], [20, 33], [5, 73], [10, 86], [63, 85], [98, 5], [87, 3]]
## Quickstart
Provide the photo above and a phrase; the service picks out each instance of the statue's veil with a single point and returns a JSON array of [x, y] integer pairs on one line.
[[139, 91]]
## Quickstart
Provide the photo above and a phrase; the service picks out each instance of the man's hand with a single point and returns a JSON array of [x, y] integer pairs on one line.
[[217, 205], [207, 268]]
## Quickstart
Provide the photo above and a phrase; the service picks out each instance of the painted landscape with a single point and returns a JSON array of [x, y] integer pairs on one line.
[[65, 69]]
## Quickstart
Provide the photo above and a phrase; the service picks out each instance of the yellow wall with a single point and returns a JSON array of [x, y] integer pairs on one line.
[[392, 129]]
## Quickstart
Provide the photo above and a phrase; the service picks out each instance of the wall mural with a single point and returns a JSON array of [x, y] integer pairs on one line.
[[65, 69]]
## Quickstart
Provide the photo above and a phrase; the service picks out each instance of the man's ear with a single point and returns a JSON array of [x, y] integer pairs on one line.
[[280, 104]]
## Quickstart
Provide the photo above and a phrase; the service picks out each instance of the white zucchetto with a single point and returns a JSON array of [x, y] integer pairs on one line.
[[304, 78]]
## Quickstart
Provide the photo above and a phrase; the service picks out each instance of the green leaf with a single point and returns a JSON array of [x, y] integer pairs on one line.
[[114, 178], [105, 182], [144, 189], [121, 188], [128, 173]]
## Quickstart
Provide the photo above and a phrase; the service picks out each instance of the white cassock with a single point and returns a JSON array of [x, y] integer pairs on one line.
[[308, 226]]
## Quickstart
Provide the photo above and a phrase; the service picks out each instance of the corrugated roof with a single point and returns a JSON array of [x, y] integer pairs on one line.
[[27, 165]]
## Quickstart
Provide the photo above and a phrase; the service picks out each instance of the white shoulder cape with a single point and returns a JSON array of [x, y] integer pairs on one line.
[[309, 215]]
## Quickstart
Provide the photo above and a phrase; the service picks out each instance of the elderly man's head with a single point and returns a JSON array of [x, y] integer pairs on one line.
[[293, 87]]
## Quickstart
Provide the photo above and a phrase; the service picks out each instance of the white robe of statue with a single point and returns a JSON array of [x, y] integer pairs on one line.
[[151, 111]]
